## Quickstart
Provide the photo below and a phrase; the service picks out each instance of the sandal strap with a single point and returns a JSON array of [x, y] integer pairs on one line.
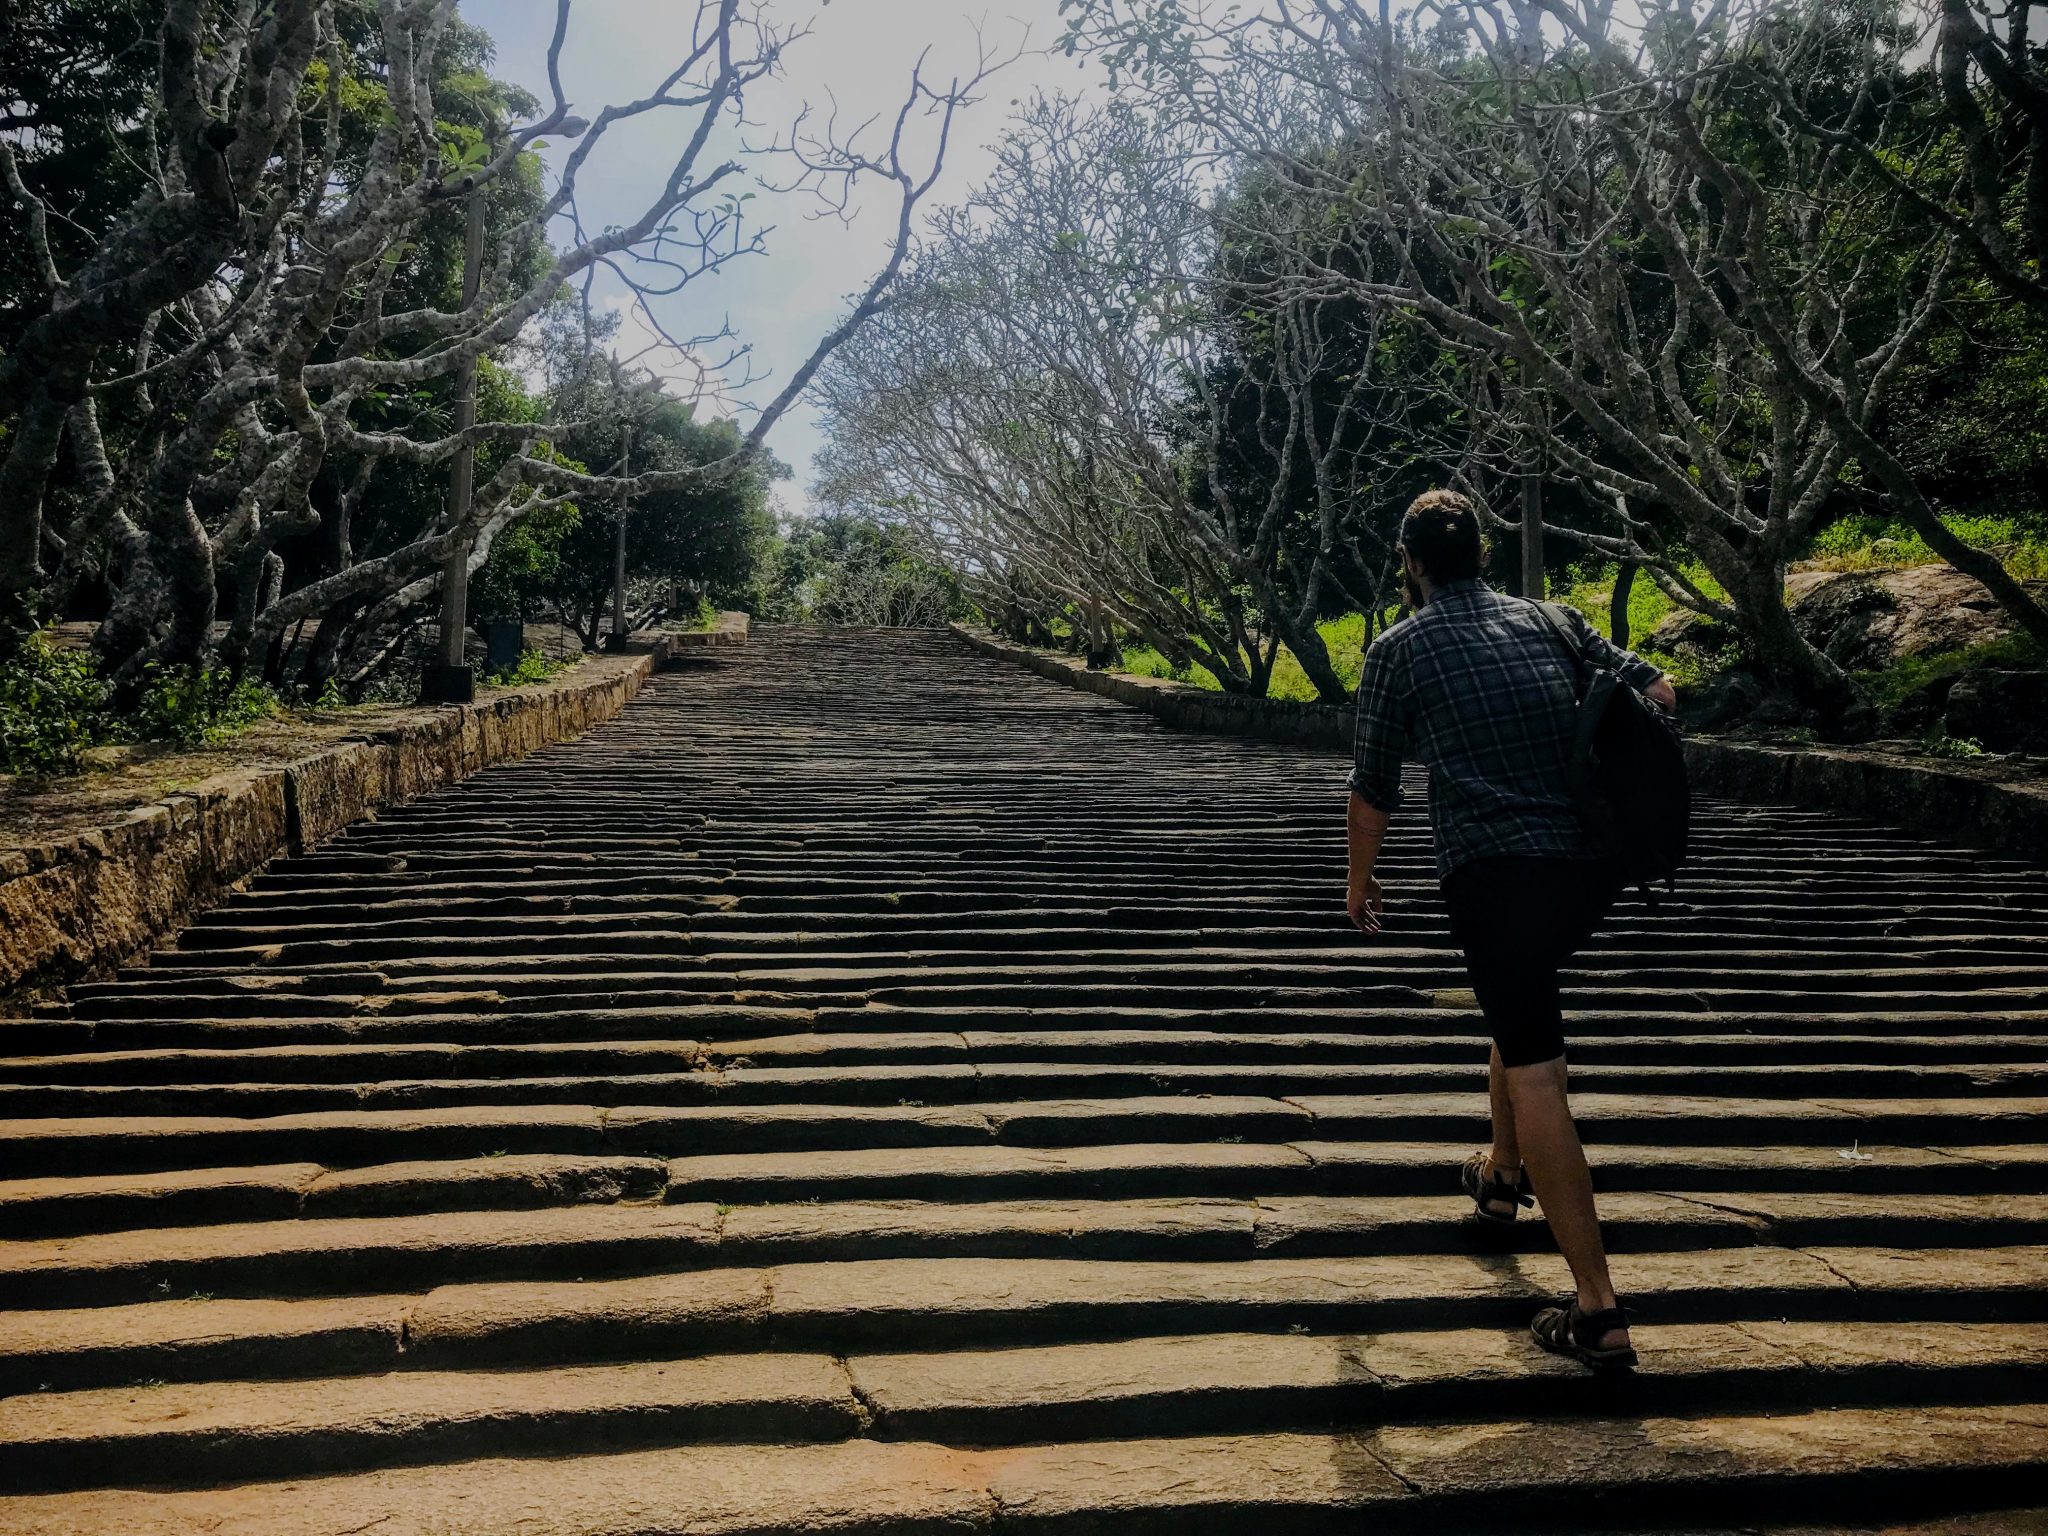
[[1492, 1187], [1588, 1327]]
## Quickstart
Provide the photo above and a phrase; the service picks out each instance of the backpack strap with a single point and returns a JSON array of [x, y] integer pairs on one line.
[[1558, 622], [1596, 685]]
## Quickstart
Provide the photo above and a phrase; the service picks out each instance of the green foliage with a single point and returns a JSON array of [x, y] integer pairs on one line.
[[1862, 542], [1891, 686], [1343, 638], [849, 569], [1589, 587], [53, 706], [1961, 747], [532, 667], [199, 706]]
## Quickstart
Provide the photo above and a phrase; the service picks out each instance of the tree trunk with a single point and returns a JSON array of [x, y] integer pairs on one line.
[[1617, 605]]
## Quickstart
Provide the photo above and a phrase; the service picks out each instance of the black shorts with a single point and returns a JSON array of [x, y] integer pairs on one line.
[[1518, 920]]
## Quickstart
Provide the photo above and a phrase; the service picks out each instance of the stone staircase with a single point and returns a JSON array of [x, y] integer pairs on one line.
[[868, 1089]]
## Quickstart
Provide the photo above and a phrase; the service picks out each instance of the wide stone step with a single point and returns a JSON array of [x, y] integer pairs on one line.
[[1841, 1465], [185, 1434], [701, 1082], [898, 1304], [118, 1143], [547, 1219], [1754, 1061]]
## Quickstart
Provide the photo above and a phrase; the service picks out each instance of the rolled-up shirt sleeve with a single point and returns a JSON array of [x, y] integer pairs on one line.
[[1380, 740]]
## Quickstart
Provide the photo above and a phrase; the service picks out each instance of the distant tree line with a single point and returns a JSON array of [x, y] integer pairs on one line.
[[1713, 275], [234, 323]]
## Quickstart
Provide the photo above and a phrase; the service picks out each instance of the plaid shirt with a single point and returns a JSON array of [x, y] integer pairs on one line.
[[1478, 687]]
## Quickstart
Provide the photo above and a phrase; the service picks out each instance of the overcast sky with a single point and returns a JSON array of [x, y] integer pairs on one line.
[[860, 54]]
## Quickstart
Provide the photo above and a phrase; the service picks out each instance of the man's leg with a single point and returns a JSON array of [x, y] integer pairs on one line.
[[1556, 1161], [1506, 1155]]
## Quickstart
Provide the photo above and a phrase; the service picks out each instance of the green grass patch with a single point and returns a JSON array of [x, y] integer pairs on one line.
[[1891, 686], [532, 667], [1590, 589], [1870, 543], [1343, 638]]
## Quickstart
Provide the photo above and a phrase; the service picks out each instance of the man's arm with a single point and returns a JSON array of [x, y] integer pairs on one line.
[[1377, 749], [1366, 825], [1646, 677]]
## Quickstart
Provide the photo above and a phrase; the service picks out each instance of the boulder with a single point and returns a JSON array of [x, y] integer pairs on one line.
[[1866, 620], [2005, 710]]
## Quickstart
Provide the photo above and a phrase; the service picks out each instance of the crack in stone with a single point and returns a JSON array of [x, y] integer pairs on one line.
[[1763, 1226], [1314, 1120], [1824, 1264], [1774, 1346], [866, 1409]]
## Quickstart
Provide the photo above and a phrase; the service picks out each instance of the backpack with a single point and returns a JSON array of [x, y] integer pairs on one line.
[[1632, 796]]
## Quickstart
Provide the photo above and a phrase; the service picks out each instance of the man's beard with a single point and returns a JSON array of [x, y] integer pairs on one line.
[[1410, 593]]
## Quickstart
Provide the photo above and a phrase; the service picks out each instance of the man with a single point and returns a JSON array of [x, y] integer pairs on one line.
[[1481, 689]]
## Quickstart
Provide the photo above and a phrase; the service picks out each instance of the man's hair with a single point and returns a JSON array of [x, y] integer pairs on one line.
[[1441, 530]]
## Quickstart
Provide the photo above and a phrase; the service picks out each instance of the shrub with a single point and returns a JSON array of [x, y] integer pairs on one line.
[[52, 707], [1863, 542], [199, 706], [1954, 746], [532, 667]]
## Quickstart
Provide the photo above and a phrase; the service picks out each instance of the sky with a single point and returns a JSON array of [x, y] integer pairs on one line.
[[858, 57]]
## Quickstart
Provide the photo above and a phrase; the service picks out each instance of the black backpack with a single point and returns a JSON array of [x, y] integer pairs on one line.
[[1632, 795]]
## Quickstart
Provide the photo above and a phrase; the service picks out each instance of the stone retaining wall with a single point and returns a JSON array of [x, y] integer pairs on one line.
[[1953, 801], [1181, 704], [87, 903]]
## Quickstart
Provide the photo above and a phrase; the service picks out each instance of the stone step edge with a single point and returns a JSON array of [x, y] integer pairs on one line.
[[1953, 802], [1841, 1466], [190, 1434], [88, 903], [333, 1252], [945, 1303]]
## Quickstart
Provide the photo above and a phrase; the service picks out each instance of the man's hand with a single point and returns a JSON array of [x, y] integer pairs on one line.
[[1366, 903], [1663, 694]]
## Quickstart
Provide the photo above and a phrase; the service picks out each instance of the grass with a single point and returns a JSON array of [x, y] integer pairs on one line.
[[1851, 544], [1343, 638], [1590, 589], [532, 667], [1875, 544], [1891, 686]]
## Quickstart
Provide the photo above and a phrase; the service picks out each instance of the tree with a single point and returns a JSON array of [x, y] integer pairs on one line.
[[1084, 410], [255, 322], [1663, 289]]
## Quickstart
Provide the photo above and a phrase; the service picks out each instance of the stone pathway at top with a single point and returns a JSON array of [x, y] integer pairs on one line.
[[867, 1088]]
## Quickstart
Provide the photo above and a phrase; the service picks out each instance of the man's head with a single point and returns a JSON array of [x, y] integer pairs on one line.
[[1440, 542]]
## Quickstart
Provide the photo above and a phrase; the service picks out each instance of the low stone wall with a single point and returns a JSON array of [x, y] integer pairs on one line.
[[1181, 704], [90, 902], [1952, 801], [726, 629]]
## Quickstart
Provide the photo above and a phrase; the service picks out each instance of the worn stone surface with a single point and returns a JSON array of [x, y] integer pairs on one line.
[[77, 907], [869, 1088]]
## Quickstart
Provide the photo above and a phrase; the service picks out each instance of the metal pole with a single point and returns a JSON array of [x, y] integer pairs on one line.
[[450, 680], [1532, 537]]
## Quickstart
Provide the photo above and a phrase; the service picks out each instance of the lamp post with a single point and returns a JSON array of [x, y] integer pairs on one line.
[[448, 679], [619, 545], [1532, 536]]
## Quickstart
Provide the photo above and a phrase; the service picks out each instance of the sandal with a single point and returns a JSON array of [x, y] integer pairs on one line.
[[1489, 1189], [1574, 1334]]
